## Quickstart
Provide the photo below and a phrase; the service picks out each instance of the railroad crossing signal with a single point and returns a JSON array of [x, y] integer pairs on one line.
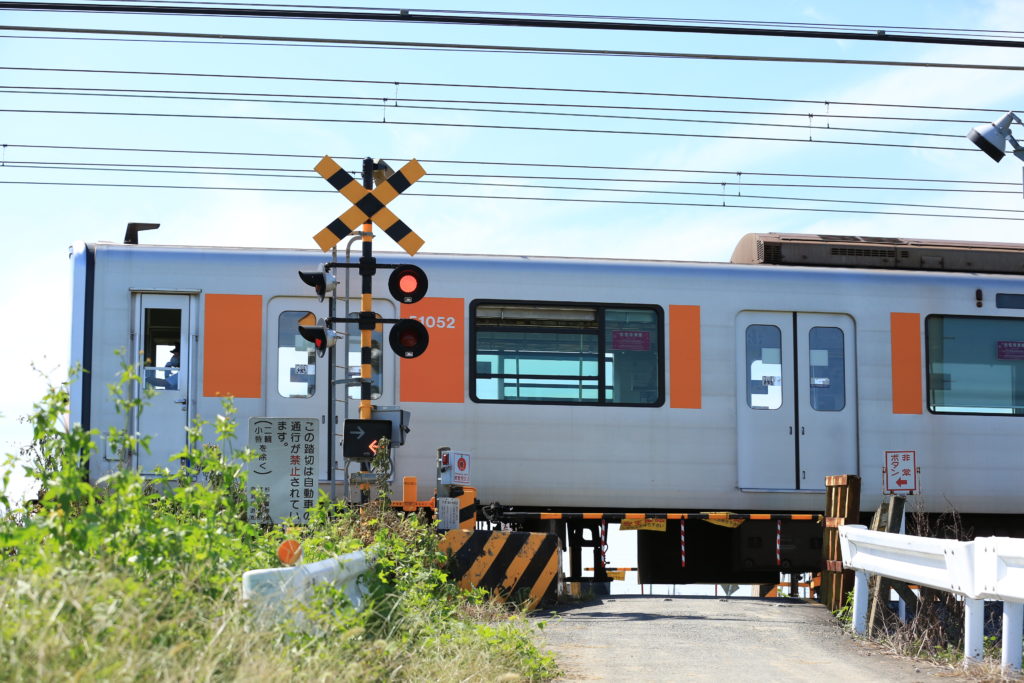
[[369, 205]]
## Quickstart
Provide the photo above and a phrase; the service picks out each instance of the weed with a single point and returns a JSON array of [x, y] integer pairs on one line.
[[132, 578]]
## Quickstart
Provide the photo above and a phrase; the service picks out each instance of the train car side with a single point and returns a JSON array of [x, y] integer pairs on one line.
[[696, 386]]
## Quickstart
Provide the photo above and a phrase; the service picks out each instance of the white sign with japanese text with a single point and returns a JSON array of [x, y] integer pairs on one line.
[[900, 472], [283, 482], [460, 467]]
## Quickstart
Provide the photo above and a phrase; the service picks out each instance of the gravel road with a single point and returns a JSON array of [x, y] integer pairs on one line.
[[652, 638]]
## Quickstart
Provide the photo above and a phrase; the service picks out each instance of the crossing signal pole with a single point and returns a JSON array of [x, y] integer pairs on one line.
[[407, 284]]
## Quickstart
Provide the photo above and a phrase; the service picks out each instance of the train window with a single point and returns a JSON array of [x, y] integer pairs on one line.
[[1009, 300], [355, 355], [827, 369], [296, 357], [161, 349], [975, 365], [764, 362], [591, 354]]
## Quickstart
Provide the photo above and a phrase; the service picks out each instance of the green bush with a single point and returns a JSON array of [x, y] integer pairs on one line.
[[135, 578]]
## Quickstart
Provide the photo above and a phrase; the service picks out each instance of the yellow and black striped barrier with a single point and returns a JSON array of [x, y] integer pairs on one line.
[[508, 516], [512, 565]]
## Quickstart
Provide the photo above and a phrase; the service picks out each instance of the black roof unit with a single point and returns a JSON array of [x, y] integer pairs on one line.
[[879, 252]]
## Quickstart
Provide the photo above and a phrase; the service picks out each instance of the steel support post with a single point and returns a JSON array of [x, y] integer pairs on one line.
[[974, 629], [860, 602], [1013, 631]]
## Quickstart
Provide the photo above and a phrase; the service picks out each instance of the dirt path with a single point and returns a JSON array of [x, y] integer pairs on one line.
[[645, 638]]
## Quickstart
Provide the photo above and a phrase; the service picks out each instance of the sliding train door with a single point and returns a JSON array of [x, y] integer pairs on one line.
[[796, 399], [163, 352]]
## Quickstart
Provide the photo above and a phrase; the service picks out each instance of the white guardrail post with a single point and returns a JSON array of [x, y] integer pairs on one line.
[[989, 568], [275, 592]]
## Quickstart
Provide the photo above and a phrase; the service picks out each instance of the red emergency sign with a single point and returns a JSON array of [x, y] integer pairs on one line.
[[900, 474]]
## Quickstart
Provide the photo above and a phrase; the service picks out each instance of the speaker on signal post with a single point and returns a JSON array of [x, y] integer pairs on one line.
[[322, 281], [322, 336]]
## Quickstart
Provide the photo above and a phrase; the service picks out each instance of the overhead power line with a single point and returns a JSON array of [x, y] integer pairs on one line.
[[733, 186], [422, 17], [513, 164], [396, 101], [154, 36], [305, 173], [485, 86], [727, 201], [389, 104], [442, 124], [676, 19]]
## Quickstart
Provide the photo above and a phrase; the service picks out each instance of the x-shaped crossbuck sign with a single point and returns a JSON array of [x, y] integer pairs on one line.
[[369, 205]]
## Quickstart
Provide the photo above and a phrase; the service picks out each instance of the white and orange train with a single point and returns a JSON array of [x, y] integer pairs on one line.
[[613, 385]]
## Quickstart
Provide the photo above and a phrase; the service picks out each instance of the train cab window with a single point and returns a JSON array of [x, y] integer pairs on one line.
[[975, 365], [161, 349], [296, 357], [600, 355], [827, 369], [764, 364]]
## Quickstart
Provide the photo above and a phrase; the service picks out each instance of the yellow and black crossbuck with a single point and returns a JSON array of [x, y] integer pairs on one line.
[[369, 205]]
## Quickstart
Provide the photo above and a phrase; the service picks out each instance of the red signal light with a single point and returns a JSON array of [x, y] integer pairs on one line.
[[408, 283]]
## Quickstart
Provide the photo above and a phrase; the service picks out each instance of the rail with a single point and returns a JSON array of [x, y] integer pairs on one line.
[[990, 568]]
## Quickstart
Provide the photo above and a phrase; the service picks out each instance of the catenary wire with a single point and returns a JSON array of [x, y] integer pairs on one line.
[[291, 41], [401, 101], [378, 104], [588, 91], [517, 164], [721, 204], [305, 119], [737, 194], [730, 22], [246, 171], [407, 16]]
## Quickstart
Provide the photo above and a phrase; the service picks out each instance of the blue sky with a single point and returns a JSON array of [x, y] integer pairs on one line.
[[40, 221]]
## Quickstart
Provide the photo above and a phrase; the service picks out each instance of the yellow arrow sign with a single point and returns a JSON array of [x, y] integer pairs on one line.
[[369, 205]]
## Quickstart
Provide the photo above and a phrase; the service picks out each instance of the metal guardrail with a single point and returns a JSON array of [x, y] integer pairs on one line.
[[990, 568], [276, 593]]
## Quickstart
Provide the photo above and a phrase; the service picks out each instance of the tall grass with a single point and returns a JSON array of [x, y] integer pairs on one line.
[[135, 579]]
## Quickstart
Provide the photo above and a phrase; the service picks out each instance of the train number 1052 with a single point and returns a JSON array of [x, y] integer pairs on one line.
[[436, 321]]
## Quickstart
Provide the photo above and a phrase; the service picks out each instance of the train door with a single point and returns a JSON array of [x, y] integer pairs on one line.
[[163, 349], [797, 409], [297, 378]]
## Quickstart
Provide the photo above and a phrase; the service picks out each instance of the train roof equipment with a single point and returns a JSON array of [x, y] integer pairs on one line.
[[896, 253]]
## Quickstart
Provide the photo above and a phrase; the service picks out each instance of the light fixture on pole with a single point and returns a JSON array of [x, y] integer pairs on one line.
[[991, 137]]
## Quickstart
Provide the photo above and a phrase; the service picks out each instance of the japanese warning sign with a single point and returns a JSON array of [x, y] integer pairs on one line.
[[900, 472], [283, 476]]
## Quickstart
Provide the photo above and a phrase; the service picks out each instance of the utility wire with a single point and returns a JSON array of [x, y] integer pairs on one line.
[[403, 101], [306, 119], [822, 102], [420, 17], [566, 15], [722, 204], [234, 39], [264, 172], [386, 105], [533, 186], [516, 164]]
